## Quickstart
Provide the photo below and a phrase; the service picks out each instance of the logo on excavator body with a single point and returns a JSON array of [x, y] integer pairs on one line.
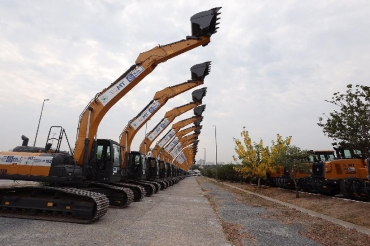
[[130, 77], [350, 168]]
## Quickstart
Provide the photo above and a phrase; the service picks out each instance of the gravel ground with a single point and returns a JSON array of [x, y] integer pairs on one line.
[[179, 215], [251, 223]]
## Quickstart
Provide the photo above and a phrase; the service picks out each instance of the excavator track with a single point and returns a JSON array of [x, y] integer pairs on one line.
[[150, 188], [154, 183], [139, 191], [119, 197], [162, 183], [63, 204]]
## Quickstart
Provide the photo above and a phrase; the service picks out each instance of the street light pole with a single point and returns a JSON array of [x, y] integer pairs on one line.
[[204, 156], [37, 131], [216, 150]]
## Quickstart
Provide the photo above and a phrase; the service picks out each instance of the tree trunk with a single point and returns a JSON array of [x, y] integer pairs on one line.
[[296, 188], [259, 183]]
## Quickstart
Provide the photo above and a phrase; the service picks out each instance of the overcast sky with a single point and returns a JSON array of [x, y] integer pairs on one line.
[[273, 65]]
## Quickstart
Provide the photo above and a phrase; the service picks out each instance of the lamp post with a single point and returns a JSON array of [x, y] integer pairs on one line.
[[216, 150], [204, 156], [37, 131]]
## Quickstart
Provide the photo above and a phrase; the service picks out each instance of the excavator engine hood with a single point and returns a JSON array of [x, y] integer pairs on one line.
[[205, 23], [198, 95], [199, 110], [200, 71], [197, 122]]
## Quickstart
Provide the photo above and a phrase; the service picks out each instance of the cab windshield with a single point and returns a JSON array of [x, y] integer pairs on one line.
[[116, 155]]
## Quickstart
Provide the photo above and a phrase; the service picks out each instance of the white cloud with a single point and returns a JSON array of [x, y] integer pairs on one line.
[[273, 65]]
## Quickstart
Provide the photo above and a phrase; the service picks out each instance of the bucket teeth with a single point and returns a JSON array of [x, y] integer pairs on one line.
[[205, 23], [199, 110], [199, 94], [200, 71], [197, 122], [197, 131]]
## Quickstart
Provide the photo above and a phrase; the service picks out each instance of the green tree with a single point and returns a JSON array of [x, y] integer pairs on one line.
[[294, 160], [194, 167], [350, 124], [227, 172]]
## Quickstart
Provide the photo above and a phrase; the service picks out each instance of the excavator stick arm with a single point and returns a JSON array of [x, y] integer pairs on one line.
[[198, 74]]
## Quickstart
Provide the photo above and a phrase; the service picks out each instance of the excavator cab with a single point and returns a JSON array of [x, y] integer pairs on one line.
[[162, 169], [136, 165], [106, 161], [153, 168]]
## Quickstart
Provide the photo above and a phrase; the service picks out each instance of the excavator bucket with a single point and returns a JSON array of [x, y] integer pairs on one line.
[[199, 94], [197, 122], [199, 110], [197, 131], [205, 23], [200, 71]]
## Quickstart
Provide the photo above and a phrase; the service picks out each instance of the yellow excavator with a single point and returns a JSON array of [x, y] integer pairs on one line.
[[165, 167], [172, 133], [163, 155], [186, 158], [134, 162], [170, 154], [130, 171], [80, 188]]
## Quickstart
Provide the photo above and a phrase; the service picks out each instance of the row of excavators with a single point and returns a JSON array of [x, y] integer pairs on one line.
[[344, 171], [80, 185]]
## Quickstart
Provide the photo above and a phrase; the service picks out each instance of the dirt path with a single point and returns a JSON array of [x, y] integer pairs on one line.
[[319, 230]]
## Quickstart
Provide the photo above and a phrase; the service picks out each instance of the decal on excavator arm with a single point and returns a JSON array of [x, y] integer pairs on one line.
[[109, 94], [172, 144], [166, 138], [176, 150], [159, 128], [145, 114]]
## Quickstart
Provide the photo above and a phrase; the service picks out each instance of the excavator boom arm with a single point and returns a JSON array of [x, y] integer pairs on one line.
[[171, 133], [203, 26], [169, 117]]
